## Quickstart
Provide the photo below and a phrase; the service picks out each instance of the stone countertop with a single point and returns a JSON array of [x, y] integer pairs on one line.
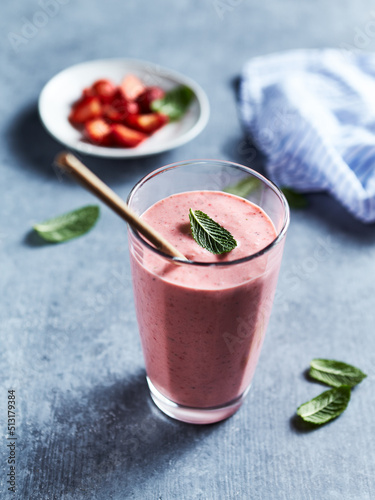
[[85, 425]]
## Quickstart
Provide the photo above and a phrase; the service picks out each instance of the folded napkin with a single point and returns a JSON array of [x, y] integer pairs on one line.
[[312, 112]]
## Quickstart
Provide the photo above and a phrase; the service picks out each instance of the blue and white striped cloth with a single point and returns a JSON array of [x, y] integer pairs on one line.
[[312, 112]]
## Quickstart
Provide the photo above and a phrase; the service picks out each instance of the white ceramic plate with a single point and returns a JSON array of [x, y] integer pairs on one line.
[[66, 87]]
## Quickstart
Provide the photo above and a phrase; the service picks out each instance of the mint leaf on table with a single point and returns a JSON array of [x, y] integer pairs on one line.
[[294, 199], [69, 225], [325, 407], [243, 187], [209, 234], [335, 373], [175, 103]]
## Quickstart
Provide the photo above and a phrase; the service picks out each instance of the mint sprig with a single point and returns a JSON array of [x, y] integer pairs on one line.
[[175, 103], [325, 407], [335, 373], [330, 404], [69, 225], [209, 234]]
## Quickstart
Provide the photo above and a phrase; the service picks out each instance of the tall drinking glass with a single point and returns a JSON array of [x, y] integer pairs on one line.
[[202, 324]]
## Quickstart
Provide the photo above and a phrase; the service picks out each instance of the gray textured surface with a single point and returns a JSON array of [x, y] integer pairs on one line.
[[69, 346]]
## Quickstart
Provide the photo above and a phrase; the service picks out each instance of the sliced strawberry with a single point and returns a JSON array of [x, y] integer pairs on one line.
[[147, 123], [120, 108], [88, 92], [131, 87], [125, 136], [112, 114], [85, 109], [104, 89], [98, 131], [145, 99]]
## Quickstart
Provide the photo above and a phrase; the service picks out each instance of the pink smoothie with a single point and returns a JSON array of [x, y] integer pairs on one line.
[[202, 327]]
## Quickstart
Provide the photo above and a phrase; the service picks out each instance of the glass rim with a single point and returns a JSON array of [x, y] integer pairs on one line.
[[279, 237]]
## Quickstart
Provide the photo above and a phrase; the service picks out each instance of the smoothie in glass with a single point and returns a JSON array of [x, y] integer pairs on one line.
[[202, 322]]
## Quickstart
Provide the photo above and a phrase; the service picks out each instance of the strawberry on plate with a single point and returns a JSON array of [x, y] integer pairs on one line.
[[85, 109], [104, 89], [87, 92], [147, 123], [131, 87], [145, 99], [98, 131], [126, 137], [119, 108], [112, 114]]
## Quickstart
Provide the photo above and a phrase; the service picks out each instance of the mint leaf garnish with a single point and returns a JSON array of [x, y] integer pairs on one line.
[[175, 102], [69, 225], [209, 234], [244, 187], [335, 373], [294, 199], [325, 407]]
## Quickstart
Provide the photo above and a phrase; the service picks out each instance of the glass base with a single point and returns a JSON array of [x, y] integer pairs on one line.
[[194, 415]]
